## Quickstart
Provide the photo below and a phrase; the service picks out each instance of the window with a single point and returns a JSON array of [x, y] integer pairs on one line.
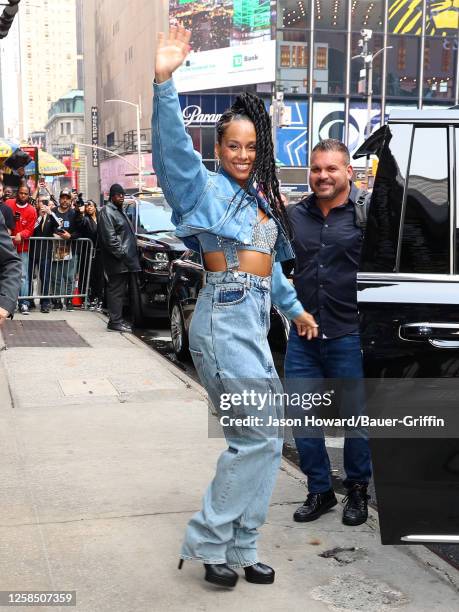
[[111, 139], [380, 247], [425, 245]]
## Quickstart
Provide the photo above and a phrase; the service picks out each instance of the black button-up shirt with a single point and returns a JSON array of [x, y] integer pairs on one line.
[[327, 259]]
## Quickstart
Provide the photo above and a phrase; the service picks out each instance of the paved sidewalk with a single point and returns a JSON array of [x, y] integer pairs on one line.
[[105, 455]]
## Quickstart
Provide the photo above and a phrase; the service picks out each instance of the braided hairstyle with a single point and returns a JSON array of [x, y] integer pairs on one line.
[[250, 107]]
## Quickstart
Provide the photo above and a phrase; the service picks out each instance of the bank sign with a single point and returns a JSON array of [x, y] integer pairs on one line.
[[233, 43]]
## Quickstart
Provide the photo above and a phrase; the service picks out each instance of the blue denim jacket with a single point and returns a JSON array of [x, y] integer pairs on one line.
[[205, 201]]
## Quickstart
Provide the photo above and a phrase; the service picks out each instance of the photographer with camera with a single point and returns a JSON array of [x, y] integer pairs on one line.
[[25, 217]]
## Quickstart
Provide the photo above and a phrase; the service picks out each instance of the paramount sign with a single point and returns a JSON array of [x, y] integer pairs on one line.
[[193, 115]]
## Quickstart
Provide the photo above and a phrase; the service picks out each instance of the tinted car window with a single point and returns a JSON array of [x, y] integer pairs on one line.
[[154, 215], [425, 245], [457, 202], [379, 252]]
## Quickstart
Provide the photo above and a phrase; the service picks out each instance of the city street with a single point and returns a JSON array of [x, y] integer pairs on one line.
[[248, 186]]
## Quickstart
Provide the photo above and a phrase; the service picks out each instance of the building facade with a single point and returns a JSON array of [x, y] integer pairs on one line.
[[65, 128], [119, 45], [264, 46], [48, 58]]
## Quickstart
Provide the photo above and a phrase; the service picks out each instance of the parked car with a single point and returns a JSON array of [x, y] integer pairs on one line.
[[408, 294], [158, 246], [186, 279]]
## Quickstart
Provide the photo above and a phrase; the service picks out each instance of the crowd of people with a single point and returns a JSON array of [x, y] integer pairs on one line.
[[45, 233]]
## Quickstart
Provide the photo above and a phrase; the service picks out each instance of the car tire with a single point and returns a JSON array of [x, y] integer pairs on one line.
[[178, 334], [138, 317]]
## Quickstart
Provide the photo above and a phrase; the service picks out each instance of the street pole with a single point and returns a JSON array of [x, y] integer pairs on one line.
[[139, 147], [368, 59], [369, 79]]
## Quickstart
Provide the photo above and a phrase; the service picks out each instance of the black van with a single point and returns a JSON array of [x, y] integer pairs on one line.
[[408, 294]]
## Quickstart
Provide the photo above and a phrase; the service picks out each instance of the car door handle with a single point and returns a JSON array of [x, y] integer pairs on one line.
[[439, 335]]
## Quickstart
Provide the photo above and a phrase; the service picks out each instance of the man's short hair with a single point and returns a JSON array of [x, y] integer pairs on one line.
[[333, 144]]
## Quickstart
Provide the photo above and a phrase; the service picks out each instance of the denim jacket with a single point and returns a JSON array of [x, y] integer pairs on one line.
[[209, 201]]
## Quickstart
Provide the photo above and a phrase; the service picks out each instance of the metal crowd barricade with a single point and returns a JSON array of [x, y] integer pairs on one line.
[[62, 268]]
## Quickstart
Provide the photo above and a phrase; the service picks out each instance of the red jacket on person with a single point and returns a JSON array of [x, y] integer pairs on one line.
[[25, 217]]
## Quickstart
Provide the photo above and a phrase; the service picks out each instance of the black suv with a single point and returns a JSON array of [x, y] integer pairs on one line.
[[408, 293], [186, 279], [158, 246]]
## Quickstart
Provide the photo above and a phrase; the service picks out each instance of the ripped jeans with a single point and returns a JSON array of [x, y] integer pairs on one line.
[[228, 343]]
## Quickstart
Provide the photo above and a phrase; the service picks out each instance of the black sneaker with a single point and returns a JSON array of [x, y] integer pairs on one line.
[[314, 506], [69, 305], [57, 305], [44, 309], [355, 511]]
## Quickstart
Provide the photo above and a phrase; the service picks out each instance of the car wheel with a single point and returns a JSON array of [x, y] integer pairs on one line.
[[178, 334], [138, 318]]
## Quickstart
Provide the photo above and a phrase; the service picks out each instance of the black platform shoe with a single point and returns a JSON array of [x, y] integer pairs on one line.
[[259, 574], [218, 573]]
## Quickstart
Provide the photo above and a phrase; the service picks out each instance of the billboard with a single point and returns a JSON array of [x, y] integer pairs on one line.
[[233, 43]]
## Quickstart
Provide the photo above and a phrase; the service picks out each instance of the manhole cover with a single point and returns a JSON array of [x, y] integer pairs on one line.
[[41, 333]]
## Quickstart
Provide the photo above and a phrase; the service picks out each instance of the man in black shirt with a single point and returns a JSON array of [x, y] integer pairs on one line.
[[64, 264], [327, 244], [7, 213]]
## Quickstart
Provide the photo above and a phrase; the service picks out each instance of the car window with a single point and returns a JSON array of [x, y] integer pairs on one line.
[[154, 215], [457, 201], [425, 244], [379, 252]]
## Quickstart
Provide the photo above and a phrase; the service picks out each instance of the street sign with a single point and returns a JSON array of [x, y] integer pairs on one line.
[[95, 135]]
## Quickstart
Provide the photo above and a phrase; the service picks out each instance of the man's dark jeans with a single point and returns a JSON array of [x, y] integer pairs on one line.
[[317, 359]]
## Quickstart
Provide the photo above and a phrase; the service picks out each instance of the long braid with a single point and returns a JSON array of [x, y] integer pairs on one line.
[[251, 107]]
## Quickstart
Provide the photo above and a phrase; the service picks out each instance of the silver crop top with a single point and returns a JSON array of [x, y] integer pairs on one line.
[[264, 239]]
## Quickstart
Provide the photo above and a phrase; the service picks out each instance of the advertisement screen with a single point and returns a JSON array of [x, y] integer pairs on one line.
[[233, 43]]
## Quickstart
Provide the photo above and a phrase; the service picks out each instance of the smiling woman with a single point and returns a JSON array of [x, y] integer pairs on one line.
[[236, 219]]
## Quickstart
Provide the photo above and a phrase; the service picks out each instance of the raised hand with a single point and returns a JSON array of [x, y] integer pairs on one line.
[[171, 52]]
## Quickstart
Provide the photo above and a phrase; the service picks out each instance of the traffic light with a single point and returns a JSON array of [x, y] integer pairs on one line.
[[7, 17]]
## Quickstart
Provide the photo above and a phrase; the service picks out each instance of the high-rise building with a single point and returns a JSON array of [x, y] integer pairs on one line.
[[48, 51], [10, 83], [119, 45]]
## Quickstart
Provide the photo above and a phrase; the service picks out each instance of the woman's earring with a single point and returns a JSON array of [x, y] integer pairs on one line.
[[218, 163]]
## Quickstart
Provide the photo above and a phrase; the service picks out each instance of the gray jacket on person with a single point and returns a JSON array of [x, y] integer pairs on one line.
[[10, 270]]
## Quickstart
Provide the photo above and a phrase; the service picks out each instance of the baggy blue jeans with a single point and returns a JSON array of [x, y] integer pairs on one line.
[[228, 341], [338, 358]]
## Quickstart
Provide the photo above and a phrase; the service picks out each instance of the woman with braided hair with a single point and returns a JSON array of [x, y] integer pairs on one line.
[[235, 219]]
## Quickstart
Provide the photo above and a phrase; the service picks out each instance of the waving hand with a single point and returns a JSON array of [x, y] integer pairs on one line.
[[171, 52]]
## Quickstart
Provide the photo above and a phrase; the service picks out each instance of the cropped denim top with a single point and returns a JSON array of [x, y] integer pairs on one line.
[[264, 239], [210, 202]]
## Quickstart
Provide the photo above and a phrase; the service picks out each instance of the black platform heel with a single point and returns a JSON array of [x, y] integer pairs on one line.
[[220, 574], [217, 573], [259, 574]]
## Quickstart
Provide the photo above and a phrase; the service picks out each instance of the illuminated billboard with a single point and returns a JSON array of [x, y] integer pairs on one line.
[[233, 43]]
